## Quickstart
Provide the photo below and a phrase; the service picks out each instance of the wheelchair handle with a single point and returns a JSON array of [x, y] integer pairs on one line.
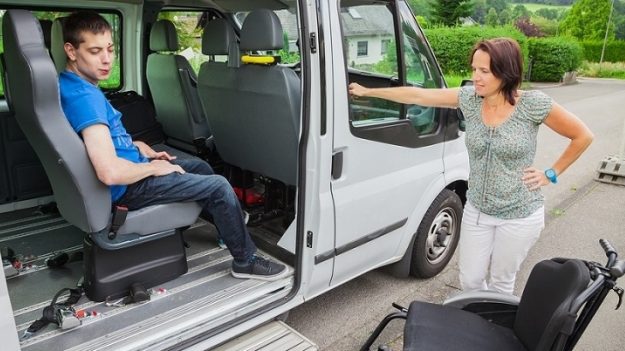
[[618, 269], [607, 247]]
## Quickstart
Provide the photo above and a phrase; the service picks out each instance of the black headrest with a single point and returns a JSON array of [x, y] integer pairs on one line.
[[163, 36], [218, 37], [261, 30]]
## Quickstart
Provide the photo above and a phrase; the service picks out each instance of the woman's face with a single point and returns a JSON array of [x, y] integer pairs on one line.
[[485, 82]]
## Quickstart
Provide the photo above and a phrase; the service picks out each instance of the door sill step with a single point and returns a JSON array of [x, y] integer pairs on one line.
[[275, 336]]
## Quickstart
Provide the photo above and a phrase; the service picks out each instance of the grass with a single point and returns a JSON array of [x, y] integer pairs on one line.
[[605, 70], [534, 7]]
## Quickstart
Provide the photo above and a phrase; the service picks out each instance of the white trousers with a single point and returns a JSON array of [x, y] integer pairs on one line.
[[502, 244]]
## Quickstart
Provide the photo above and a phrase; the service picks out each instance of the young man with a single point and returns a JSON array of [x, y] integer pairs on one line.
[[137, 175]]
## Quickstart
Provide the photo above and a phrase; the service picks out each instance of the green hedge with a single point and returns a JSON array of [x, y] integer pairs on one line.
[[551, 57], [614, 50], [452, 46]]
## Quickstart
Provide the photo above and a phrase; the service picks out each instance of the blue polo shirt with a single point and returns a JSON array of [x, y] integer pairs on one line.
[[84, 105]]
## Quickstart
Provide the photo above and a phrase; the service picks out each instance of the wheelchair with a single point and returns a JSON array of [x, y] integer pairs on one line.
[[559, 300]]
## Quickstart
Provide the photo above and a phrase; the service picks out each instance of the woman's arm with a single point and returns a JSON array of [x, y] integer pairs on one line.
[[568, 125], [409, 95]]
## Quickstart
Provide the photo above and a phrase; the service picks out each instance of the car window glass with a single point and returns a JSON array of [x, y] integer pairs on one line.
[[370, 48], [114, 82]]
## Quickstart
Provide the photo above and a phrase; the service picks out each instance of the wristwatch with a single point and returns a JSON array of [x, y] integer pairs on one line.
[[551, 175]]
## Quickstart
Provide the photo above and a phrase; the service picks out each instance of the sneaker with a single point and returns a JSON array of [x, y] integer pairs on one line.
[[259, 268], [246, 216]]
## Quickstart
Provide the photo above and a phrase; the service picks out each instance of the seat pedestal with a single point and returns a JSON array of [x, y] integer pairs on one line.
[[109, 273]]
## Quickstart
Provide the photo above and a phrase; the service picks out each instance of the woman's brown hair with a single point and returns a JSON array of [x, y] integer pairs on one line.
[[506, 63]]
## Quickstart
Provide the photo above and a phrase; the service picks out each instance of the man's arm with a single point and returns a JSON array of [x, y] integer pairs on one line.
[[112, 170]]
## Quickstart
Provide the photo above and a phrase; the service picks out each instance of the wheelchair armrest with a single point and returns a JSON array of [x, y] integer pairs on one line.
[[481, 296], [495, 307]]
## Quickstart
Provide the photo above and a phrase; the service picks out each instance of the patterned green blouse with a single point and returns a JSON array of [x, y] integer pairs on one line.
[[498, 155]]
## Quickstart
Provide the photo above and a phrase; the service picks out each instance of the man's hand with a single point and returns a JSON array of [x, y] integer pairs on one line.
[[163, 167], [150, 153], [112, 170]]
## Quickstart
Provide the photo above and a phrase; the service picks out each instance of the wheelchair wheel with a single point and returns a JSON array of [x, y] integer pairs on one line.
[[437, 236]]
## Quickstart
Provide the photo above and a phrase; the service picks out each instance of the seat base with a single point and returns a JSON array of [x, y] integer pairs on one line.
[[109, 273], [435, 327]]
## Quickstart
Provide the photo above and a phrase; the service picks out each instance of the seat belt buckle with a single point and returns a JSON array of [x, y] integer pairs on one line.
[[118, 219], [66, 318]]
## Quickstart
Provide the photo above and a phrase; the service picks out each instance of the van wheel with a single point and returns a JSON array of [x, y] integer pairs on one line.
[[437, 236]]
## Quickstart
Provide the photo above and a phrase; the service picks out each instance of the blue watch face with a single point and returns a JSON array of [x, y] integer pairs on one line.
[[551, 175]]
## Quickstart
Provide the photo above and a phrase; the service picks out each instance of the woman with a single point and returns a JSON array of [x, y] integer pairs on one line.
[[504, 214]]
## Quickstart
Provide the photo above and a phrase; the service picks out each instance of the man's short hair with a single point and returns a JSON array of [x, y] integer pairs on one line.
[[83, 21]]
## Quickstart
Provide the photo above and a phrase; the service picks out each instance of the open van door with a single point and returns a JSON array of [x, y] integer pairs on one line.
[[388, 157]]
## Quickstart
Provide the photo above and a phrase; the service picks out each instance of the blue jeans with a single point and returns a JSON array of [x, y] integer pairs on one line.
[[211, 191]]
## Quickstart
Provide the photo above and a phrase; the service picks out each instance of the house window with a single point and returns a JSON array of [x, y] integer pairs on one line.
[[384, 46], [363, 48]]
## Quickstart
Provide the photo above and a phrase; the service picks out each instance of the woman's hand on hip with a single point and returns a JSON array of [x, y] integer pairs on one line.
[[534, 178]]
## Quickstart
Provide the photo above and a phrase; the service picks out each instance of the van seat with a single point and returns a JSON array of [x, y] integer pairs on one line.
[[173, 85], [31, 82], [256, 123]]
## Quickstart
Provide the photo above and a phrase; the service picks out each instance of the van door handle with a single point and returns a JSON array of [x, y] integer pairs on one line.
[[337, 165]]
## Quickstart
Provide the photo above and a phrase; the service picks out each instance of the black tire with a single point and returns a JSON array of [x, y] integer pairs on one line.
[[437, 236]]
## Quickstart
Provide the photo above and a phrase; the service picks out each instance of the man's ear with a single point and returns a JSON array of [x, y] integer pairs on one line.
[[70, 51]]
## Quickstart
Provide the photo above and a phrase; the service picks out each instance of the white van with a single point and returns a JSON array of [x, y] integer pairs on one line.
[[335, 186]]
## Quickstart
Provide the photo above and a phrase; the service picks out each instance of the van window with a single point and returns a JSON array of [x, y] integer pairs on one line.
[[383, 47], [48, 15], [289, 54], [189, 25]]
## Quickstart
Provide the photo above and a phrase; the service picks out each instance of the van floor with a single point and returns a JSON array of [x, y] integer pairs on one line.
[[201, 300]]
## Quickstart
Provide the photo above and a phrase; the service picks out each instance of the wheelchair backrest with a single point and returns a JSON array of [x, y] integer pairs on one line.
[[544, 315]]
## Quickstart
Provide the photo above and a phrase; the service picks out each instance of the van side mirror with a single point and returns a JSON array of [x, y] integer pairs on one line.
[[461, 119]]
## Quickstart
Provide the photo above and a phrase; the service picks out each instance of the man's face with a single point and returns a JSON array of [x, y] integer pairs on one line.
[[93, 58]]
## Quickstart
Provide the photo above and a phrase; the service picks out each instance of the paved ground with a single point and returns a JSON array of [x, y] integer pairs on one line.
[[580, 211]]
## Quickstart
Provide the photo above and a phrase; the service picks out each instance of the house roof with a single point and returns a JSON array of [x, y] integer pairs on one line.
[[365, 20], [357, 21]]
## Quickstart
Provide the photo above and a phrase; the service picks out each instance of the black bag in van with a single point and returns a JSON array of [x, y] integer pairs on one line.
[[138, 116]]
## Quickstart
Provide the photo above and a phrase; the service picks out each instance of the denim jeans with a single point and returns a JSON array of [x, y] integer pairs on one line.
[[211, 191]]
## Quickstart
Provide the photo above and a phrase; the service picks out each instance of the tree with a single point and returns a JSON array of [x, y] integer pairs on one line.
[[498, 5], [448, 12], [491, 18], [547, 27], [587, 19], [479, 11], [420, 7], [520, 11], [528, 28], [547, 13], [505, 16], [619, 19]]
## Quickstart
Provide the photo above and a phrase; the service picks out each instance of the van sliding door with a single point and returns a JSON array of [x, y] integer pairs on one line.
[[390, 154]]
